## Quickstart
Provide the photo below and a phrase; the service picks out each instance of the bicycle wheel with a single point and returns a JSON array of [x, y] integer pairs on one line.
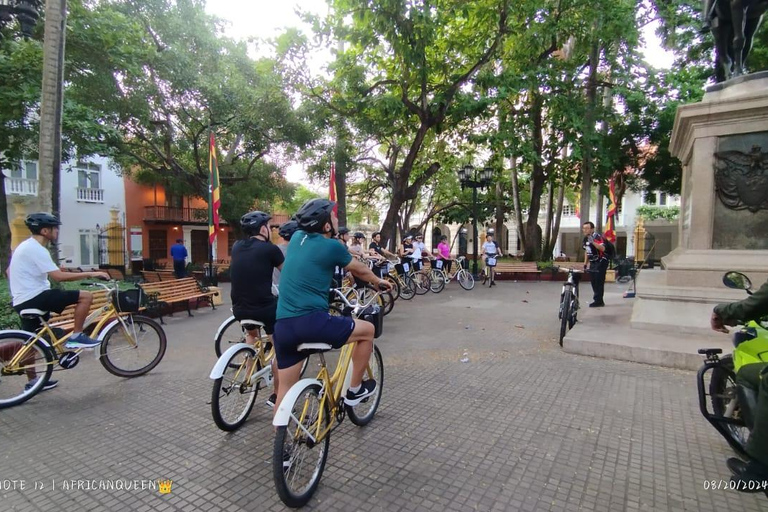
[[362, 413], [395, 286], [436, 281], [574, 310], [35, 366], [565, 314], [297, 461], [387, 302], [230, 333], [233, 397], [725, 402], [407, 288], [133, 349], [421, 280], [465, 279]]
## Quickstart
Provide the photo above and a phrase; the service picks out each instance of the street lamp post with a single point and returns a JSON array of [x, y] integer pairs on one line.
[[24, 11], [475, 179]]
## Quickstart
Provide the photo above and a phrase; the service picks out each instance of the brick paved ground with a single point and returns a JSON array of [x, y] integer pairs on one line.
[[521, 426]]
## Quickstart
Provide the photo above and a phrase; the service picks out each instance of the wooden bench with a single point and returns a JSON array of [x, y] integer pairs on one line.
[[150, 276], [66, 319], [168, 293], [518, 267]]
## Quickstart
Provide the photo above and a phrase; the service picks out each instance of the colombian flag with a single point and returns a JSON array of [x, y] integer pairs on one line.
[[214, 192]]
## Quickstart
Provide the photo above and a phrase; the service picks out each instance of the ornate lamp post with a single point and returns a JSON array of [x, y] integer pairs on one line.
[[24, 11], [475, 179]]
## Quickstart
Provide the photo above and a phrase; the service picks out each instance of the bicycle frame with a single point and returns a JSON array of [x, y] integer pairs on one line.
[[336, 383], [104, 316]]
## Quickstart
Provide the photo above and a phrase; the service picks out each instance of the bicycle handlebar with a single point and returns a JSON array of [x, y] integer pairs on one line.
[[356, 308]]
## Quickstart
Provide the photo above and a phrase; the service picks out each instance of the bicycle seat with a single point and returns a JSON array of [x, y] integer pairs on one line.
[[710, 351], [251, 324], [314, 347], [32, 313]]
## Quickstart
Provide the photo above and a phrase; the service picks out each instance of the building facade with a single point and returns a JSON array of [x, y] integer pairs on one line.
[[92, 198]]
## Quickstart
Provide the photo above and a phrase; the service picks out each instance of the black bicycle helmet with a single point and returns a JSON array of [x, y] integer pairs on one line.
[[288, 229], [251, 222], [37, 221], [343, 230], [313, 215], [359, 235]]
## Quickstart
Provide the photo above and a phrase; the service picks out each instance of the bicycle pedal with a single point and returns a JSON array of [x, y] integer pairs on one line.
[[69, 360]]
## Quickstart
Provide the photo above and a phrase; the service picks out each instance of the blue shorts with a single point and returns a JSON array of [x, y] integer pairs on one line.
[[317, 327]]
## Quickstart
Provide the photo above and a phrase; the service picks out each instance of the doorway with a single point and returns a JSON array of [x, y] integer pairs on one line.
[[199, 246]]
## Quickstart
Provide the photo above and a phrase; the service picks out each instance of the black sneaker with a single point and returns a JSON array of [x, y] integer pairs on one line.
[[48, 385], [271, 400], [367, 388], [597, 304], [736, 465], [753, 478]]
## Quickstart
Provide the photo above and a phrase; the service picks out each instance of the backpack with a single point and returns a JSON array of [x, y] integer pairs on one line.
[[610, 249]]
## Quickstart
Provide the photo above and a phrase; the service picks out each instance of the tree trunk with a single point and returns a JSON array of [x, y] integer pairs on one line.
[[546, 252], [599, 209], [558, 216], [51, 106], [340, 159], [538, 180], [589, 128], [5, 228], [500, 218], [516, 201]]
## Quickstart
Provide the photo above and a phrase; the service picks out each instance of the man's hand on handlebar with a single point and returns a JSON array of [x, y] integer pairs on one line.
[[384, 285], [99, 275], [717, 323]]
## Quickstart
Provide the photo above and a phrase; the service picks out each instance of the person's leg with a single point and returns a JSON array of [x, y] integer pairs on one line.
[[361, 354], [84, 301], [287, 378], [757, 445]]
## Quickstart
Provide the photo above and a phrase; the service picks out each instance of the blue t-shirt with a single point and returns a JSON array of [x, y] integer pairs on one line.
[[307, 273], [178, 252]]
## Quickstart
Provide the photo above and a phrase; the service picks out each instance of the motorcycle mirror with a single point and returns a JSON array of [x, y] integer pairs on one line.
[[737, 280]]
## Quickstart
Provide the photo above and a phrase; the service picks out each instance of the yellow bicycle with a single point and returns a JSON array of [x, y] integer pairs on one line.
[[131, 345], [313, 408]]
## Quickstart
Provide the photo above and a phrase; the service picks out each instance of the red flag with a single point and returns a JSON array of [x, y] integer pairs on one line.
[[332, 188], [610, 224], [214, 199]]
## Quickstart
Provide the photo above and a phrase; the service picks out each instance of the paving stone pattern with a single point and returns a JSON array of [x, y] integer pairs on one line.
[[519, 426]]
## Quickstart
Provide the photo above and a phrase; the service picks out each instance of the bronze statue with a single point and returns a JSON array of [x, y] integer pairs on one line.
[[733, 24]]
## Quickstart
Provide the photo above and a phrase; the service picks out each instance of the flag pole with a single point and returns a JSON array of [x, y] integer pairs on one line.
[[210, 207]]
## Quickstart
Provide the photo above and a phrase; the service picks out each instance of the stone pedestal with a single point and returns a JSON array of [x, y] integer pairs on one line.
[[722, 143]]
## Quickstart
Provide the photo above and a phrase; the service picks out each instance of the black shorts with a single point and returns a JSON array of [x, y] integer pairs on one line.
[[317, 327], [50, 301], [264, 314]]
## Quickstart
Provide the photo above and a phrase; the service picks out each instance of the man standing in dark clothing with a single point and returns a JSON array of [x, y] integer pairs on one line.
[[750, 476], [594, 255], [253, 262], [179, 256]]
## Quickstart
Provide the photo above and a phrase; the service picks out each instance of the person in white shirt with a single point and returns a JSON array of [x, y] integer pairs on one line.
[[31, 266], [490, 250]]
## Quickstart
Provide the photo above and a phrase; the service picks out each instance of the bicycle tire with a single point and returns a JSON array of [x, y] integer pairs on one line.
[[565, 313], [395, 286], [574, 312], [465, 279], [231, 417], [290, 443], [362, 413], [408, 290], [436, 281], [421, 280], [12, 389], [229, 333], [722, 389], [111, 346], [388, 302]]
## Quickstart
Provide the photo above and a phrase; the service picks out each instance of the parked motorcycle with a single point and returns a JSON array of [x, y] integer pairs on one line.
[[726, 404]]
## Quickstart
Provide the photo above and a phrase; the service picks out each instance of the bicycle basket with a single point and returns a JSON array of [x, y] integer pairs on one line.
[[491, 262], [439, 264], [129, 301], [373, 314], [402, 268]]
